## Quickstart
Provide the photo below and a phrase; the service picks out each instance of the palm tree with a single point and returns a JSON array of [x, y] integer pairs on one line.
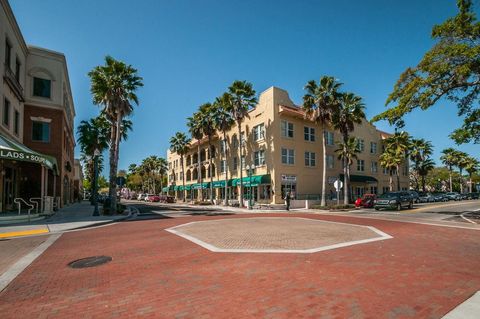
[[349, 111], [424, 167], [462, 161], [195, 128], [391, 161], [449, 159], [319, 103], [243, 99], [398, 146], [419, 151], [472, 166], [179, 144], [161, 168], [207, 124], [347, 152], [223, 122], [113, 86]]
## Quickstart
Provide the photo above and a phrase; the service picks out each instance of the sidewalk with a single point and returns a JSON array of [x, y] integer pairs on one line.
[[75, 216]]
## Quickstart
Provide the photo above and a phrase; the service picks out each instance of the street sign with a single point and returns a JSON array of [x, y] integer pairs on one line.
[[338, 184]]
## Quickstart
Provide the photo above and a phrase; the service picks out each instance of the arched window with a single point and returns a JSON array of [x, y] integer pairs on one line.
[[203, 155], [195, 174], [189, 160], [189, 175], [212, 151], [195, 158], [203, 171], [213, 171]]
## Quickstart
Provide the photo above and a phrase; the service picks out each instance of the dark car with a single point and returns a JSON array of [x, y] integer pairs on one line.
[[440, 197], [473, 195], [453, 196], [414, 195], [394, 200], [426, 198]]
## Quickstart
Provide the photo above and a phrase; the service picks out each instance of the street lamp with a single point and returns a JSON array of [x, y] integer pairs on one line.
[[250, 170], [96, 154]]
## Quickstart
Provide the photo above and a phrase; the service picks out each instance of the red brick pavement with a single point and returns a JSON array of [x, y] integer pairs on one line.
[[423, 272]]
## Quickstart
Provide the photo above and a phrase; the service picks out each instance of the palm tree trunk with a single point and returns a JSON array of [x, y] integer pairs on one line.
[[112, 189], [391, 181], [398, 178], [226, 166], [461, 181], [210, 162], [324, 173], [240, 160], [423, 183], [471, 183], [200, 172], [183, 178], [450, 178], [346, 193]]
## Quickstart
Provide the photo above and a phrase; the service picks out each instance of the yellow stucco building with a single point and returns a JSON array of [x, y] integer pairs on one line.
[[285, 149]]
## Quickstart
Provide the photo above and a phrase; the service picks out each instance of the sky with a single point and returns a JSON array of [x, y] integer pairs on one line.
[[189, 52]]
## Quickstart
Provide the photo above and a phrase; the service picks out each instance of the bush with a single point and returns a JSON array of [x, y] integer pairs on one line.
[[202, 203]]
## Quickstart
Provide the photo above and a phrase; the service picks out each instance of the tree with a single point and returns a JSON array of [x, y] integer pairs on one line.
[[391, 161], [195, 127], [179, 144], [319, 102], [462, 160], [243, 99], [207, 124], [114, 87], [224, 122], [423, 169], [450, 70], [347, 152], [397, 147], [472, 166], [349, 111], [449, 159], [419, 151]]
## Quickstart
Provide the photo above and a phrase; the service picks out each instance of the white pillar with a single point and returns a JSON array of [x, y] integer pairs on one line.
[[42, 188]]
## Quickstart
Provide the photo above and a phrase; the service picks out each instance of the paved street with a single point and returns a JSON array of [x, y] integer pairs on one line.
[[424, 271]]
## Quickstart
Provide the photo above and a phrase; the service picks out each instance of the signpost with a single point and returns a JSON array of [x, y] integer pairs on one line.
[[338, 185]]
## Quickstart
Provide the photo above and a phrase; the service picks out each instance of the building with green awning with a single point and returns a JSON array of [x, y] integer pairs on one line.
[[252, 181]]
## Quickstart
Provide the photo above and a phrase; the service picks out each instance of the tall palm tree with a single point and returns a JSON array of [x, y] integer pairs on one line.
[[195, 128], [472, 166], [391, 161], [398, 146], [424, 167], [349, 111], [243, 99], [319, 103], [161, 168], [419, 151], [114, 86], [347, 152], [206, 112], [449, 159], [223, 122], [179, 144], [462, 161]]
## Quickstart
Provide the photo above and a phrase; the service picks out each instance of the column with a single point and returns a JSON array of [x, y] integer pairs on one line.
[[42, 187]]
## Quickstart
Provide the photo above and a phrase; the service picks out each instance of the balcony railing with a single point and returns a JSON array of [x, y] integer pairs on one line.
[[13, 83]]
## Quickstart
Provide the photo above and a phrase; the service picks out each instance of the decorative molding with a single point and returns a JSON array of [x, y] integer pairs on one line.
[[40, 119]]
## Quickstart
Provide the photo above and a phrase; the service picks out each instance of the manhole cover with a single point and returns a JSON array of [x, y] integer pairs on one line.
[[90, 261]]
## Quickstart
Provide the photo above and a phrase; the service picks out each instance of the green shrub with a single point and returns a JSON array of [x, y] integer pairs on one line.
[[202, 203]]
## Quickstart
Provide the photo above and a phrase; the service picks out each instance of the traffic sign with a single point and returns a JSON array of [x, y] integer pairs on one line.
[[338, 184]]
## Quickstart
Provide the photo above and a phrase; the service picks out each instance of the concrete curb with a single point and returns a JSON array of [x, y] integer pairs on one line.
[[469, 309]]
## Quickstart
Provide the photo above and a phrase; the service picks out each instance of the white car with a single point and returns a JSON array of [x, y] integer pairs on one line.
[[141, 196]]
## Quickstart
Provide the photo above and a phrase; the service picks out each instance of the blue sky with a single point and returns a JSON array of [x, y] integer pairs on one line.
[[190, 51]]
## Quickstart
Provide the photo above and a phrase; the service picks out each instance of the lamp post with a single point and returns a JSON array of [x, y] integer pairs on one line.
[[96, 153], [250, 170]]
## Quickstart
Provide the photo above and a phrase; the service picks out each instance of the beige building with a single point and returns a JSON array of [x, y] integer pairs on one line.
[[286, 151], [36, 120]]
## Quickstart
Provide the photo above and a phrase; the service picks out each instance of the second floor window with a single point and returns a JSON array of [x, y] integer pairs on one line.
[[16, 122], [259, 158], [287, 129], [288, 156], [259, 132], [330, 161], [361, 145], [41, 131], [243, 161], [17, 69], [373, 147], [360, 165], [374, 167], [329, 138], [8, 53], [310, 159], [6, 112], [41, 87], [223, 166], [309, 133], [235, 163]]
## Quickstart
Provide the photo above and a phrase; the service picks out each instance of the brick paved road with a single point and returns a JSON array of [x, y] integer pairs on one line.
[[11, 250], [423, 272]]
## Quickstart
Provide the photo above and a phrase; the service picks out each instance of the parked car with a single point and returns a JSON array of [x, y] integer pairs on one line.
[[152, 198], [453, 196], [394, 200], [368, 200], [414, 195], [167, 199], [426, 198], [473, 195], [440, 197], [141, 196]]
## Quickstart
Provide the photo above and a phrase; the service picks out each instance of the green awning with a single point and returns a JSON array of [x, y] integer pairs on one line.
[[181, 188], [360, 179], [220, 184], [15, 151], [201, 186], [252, 181]]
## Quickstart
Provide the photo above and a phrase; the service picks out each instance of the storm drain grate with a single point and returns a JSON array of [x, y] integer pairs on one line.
[[90, 262]]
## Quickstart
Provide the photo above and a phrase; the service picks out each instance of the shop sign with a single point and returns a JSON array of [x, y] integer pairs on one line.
[[20, 156], [289, 178]]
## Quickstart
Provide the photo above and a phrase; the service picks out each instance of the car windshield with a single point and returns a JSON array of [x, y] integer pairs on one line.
[[388, 195]]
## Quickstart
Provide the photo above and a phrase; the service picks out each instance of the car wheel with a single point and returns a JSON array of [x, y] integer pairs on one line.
[[410, 206], [399, 207], [377, 208]]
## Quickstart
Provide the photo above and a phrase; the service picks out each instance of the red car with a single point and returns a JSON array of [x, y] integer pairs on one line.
[[368, 200], [152, 198]]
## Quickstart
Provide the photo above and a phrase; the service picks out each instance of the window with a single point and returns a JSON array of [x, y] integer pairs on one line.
[[16, 122], [329, 138], [287, 129], [41, 131], [6, 112], [385, 190], [310, 159], [374, 167], [360, 165], [361, 145], [223, 146], [330, 161], [385, 171], [259, 132], [235, 163], [373, 190], [242, 139], [243, 161], [288, 156], [41, 87], [234, 142], [17, 69], [223, 166], [259, 158], [8, 53], [309, 133], [373, 147]]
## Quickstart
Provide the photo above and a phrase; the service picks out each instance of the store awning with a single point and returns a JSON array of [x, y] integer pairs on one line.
[[15, 151], [252, 181], [167, 189], [360, 179], [220, 184], [201, 186]]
